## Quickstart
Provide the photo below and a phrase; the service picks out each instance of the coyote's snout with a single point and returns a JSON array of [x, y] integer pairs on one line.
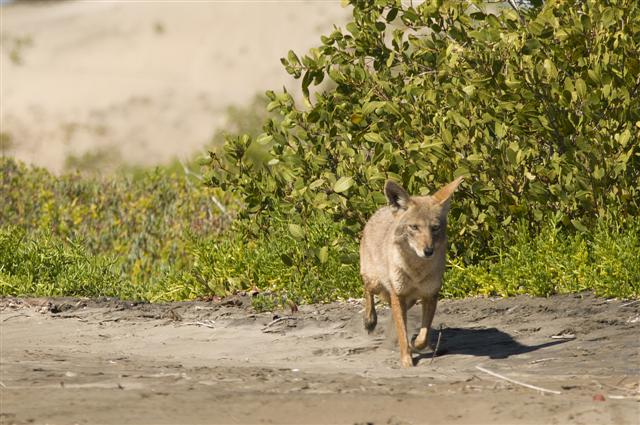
[[402, 258]]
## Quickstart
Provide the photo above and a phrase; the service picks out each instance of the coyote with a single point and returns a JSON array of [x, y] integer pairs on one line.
[[402, 259]]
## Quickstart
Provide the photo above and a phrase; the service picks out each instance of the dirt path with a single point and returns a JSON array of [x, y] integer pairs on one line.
[[68, 361]]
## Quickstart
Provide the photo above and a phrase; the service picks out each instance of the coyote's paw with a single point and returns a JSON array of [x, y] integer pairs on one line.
[[406, 361], [419, 343]]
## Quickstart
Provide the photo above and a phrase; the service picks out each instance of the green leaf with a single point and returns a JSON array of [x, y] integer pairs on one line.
[[306, 81], [373, 137], [598, 173], [550, 68], [293, 58], [581, 88], [461, 172], [537, 215], [512, 83], [296, 231], [205, 160], [343, 184], [447, 137], [531, 46], [379, 198], [316, 184], [393, 12], [390, 59], [287, 260], [369, 107], [579, 226], [323, 254], [348, 259], [608, 17], [264, 139], [335, 75], [624, 137]]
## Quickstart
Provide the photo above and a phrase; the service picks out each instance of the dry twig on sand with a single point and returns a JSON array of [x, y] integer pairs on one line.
[[616, 387], [208, 323], [497, 375], [14, 316], [279, 319]]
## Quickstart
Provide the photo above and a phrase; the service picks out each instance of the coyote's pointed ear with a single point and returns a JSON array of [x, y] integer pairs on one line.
[[443, 196], [397, 196]]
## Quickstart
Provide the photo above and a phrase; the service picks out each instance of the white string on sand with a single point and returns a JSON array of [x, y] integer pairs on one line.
[[497, 375], [435, 351]]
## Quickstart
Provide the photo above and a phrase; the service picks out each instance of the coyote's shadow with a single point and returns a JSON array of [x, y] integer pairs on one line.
[[481, 342]]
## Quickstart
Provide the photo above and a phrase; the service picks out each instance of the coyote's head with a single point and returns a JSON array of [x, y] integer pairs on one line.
[[421, 221]]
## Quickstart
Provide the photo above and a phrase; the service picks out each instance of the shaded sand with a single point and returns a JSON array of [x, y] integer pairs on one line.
[[67, 361], [142, 82]]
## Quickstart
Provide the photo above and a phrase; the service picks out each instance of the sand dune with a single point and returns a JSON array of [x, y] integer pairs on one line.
[[142, 81]]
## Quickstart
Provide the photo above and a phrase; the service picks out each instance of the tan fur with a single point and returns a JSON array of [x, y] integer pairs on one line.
[[402, 259]]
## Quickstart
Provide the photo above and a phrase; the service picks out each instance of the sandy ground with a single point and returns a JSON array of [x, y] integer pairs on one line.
[[67, 361], [142, 82]]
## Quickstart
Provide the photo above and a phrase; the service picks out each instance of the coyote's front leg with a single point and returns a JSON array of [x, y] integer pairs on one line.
[[399, 313], [428, 310]]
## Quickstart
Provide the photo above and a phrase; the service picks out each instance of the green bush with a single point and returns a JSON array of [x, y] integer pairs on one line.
[[145, 223], [539, 108], [156, 237], [316, 265], [160, 250], [287, 262], [603, 260], [40, 265]]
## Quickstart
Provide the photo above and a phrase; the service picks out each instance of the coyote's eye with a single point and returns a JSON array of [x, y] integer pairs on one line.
[[435, 227], [413, 226]]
